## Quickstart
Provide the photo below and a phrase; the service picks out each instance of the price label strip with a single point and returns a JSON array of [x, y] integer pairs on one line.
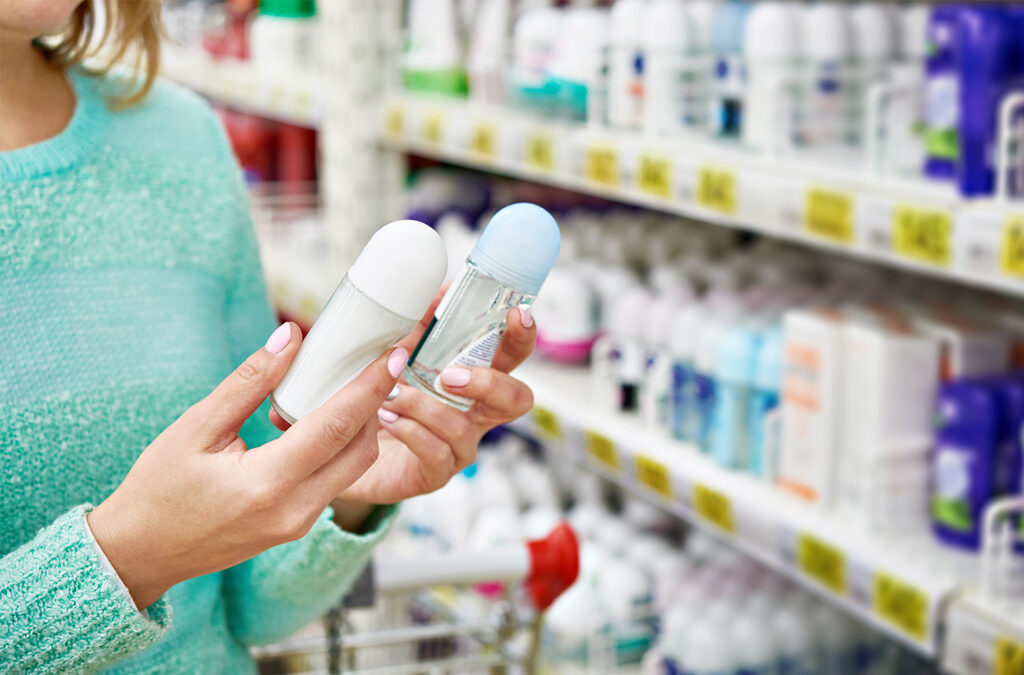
[[1009, 658], [923, 235], [601, 165], [483, 140], [654, 475], [829, 214], [433, 127], [540, 151], [655, 176], [547, 423], [901, 605], [714, 507], [716, 190], [602, 449], [821, 562], [395, 121], [1011, 247]]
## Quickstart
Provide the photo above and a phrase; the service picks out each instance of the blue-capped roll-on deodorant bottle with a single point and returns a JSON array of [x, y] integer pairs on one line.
[[505, 269]]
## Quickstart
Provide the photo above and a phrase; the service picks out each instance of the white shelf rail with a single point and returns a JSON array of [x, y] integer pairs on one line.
[[918, 225]]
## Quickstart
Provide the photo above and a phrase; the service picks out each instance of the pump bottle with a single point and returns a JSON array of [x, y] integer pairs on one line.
[[505, 269], [384, 294]]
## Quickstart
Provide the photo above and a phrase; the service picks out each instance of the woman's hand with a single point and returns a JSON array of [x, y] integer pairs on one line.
[[424, 442], [198, 501]]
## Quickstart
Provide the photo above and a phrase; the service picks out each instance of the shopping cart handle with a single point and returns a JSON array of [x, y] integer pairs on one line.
[[554, 565]]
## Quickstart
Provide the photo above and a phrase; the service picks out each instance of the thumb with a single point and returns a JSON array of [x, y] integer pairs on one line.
[[237, 397]]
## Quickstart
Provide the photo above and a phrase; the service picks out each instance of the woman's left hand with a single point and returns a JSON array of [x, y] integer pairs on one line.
[[423, 442]]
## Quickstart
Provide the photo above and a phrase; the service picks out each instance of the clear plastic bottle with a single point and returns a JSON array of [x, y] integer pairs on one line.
[[505, 269], [371, 310]]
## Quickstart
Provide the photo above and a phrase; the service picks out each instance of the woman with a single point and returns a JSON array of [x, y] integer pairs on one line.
[[131, 288]]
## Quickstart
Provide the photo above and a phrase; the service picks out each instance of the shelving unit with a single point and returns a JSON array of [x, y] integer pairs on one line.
[[901, 585], [918, 225]]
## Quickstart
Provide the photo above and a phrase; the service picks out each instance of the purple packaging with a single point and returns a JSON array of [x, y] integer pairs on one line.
[[942, 98], [964, 461]]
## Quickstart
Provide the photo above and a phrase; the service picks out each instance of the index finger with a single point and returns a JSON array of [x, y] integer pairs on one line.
[[320, 436], [517, 342]]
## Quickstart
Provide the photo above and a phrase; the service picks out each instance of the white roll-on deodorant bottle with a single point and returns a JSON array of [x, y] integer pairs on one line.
[[380, 300], [505, 269]]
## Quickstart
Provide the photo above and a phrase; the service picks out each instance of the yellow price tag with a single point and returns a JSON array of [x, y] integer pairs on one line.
[[822, 562], [433, 127], [655, 176], [601, 165], [484, 139], [1009, 658], [547, 422], [829, 214], [1011, 247], [924, 235], [902, 606], [540, 151], [714, 507], [602, 449], [716, 190], [654, 475], [396, 120]]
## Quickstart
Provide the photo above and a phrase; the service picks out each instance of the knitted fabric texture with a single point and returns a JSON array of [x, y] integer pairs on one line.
[[131, 286]]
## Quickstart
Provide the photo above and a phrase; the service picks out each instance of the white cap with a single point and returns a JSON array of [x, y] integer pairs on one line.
[[874, 29], [772, 31], [401, 268], [827, 31]]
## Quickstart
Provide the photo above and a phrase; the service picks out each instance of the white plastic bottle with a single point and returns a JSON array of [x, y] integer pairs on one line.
[[828, 44], [626, 64], [708, 650], [874, 44], [773, 54], [371, 310], [674, 81], [283, 36], [727, 75], [534, 37], [488, 49], [506, 269], [656, 391], [434, 58], [575, 77], [754, 649], [619, 357], [794, 632]]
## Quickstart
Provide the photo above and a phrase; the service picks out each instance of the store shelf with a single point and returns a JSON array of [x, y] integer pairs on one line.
[[919, 225], [288, 97], [983, 638], [901, 585]]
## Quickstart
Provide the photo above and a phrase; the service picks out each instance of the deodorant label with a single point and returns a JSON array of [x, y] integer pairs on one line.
[[479, 353]]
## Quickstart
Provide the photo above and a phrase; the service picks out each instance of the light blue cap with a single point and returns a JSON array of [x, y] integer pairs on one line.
[[519, 247]]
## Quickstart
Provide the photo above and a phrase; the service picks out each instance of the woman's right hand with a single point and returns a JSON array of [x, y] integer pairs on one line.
[[197, 500]]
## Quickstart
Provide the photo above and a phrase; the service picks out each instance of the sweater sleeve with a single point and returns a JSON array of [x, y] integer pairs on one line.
[[61, 611], [283, 589]]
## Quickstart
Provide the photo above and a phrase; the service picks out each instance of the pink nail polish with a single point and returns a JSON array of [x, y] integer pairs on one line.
[[387, 415], [396, 362], [526, 318], [279, 339], [456, 377]]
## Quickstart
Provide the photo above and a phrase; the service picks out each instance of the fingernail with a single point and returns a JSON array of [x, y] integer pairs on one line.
[[456, 377], [279, 339], [393, 395], [387, 415], [526, 318], [396, 363]]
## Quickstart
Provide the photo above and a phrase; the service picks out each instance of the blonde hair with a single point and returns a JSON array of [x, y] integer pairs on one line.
[[132, 29]]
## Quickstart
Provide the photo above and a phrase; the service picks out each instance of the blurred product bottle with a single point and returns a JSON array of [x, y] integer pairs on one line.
[[772, 51], [875, 48], [535, 35], [705, 383], [765, 420], [433, 60], [619, 356], [284, 37], [656, 390], [626, 64], [734, 373], [828, 47], [488, 51], [728, 77], [794, 631], [903, 132], [567, 315], [675, 78], [683, 348], [576, 72], [506, 269]]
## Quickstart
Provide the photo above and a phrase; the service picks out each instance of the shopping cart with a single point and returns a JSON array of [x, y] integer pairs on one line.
[[459, 612]]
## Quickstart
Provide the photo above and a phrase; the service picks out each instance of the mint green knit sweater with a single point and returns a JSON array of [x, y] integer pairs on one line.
[[129, 287]]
